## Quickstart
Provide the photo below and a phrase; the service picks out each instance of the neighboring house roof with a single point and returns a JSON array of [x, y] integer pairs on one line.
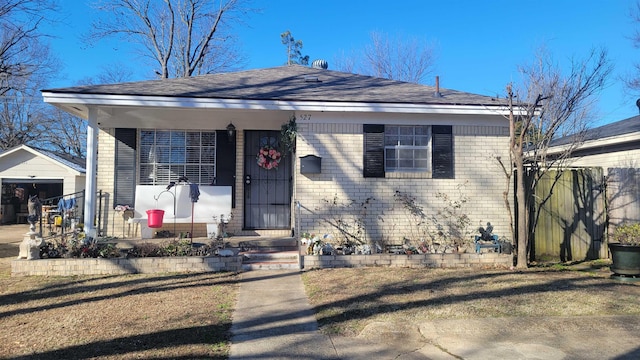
[[615, 129], [294, 83], [72, 163], [614, 136]]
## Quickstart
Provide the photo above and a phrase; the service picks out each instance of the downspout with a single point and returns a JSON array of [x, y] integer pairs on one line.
[[91, 177]]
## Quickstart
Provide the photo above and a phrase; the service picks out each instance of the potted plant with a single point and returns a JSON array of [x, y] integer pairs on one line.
[[624, 245]]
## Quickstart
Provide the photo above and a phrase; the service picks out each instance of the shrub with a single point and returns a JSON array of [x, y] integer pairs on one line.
[[171, 248], [94, 250], [627, 234], [145, 249], [177, 248], [78, 249]]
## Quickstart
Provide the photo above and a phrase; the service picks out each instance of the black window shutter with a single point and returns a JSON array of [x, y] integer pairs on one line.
[[226, 163], [373, 151], [442, 151], [124, 186]]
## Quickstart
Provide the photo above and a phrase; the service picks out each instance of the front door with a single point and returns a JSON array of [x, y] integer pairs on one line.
[[267, 182]]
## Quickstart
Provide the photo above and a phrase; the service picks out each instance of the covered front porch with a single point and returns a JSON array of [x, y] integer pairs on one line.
[[147, 146]]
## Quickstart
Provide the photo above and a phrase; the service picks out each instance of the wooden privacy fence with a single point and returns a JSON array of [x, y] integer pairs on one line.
[[571, 215], [623, 196]]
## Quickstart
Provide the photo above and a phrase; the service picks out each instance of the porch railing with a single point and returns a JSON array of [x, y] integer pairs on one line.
[[62, 213]]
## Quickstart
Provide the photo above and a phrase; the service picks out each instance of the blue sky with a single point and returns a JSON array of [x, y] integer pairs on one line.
[[480, 44]]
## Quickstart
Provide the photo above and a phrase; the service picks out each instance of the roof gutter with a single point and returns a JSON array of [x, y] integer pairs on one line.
[[87, 100]]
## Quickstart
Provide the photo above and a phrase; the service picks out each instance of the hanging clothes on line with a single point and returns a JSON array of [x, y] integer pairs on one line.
[[194, 192], [66, 204]]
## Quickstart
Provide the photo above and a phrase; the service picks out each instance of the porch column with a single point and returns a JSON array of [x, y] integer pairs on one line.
[[91, 176]]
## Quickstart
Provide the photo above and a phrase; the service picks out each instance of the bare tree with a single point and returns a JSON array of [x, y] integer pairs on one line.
[[25, 63], [116, 72], [633, 80], [401, 58], [344, 62], [551, 105], [21, 50], [294, 49], [66, 133], [22, 118], [25, 119], [181, 37]]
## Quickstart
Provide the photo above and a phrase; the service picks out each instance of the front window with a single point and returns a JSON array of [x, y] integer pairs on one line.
[[407, 148], [166, 155]]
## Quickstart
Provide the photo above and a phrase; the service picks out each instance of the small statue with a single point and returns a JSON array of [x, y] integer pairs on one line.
[[30, 246], [486, 234], [35, 211]]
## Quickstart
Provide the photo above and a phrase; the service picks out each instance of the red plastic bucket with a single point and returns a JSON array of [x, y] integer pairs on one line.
[[154, 218]]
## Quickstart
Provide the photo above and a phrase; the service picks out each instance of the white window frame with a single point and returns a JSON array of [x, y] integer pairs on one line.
[[392, 132], [163, 160]]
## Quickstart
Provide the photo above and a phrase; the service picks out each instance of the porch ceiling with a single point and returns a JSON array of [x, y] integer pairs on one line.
[[189, 119]]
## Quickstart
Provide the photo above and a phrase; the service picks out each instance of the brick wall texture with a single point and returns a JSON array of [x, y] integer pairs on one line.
[[340, 197]]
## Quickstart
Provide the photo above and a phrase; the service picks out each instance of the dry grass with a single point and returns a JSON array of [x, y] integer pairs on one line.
[[168, 316], [348, 299], [188, 316]]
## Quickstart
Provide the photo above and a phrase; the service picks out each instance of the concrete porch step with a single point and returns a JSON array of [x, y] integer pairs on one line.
[[270, 260], [264, 245], [267, 256], [271, 266], [266, 252]]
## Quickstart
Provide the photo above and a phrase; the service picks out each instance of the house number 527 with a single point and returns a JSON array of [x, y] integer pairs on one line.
[[305, 117]]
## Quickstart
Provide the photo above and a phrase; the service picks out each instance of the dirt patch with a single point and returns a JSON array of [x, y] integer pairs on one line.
[[348, 301]]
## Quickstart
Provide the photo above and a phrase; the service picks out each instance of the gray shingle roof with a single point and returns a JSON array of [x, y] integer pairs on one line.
[[74, 163], [289, 83], [622, 127]]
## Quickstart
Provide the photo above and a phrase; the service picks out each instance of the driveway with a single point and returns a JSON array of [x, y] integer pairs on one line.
[[13, 233], [10, 238]]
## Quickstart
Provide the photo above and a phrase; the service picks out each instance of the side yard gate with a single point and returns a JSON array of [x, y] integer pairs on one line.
[[575, 215], [623, 196], [571, 212]]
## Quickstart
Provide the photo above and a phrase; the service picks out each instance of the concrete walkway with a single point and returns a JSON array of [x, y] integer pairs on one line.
[[274, 320]]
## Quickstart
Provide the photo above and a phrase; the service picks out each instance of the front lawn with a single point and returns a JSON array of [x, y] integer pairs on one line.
[[346, 300], [166, 316]]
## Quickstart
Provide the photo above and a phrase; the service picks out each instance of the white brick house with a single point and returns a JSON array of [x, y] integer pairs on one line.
[[373, 138]]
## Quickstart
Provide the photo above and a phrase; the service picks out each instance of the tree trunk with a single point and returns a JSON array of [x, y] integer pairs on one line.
[[522, 213]]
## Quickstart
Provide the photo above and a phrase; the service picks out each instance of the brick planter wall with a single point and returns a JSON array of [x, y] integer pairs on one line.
[[466, 260], [68, 267]]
